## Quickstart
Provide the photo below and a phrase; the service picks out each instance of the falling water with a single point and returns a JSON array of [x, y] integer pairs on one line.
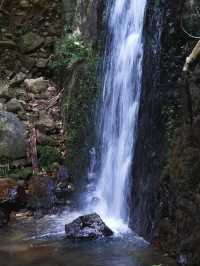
[[122, 70]]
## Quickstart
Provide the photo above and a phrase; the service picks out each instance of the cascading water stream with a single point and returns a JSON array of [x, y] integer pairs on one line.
[[122, 71]]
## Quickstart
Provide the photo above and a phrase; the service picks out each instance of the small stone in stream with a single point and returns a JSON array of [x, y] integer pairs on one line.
[[89, 227]]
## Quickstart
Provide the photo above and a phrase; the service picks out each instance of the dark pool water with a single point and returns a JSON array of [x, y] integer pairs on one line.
[[41, 242]]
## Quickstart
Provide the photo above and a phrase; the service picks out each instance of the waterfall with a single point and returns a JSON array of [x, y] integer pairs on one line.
[[118, 109]]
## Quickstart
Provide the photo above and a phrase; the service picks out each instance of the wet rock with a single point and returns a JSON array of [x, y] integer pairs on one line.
[[30, 42], [12, 136], [87, 227]]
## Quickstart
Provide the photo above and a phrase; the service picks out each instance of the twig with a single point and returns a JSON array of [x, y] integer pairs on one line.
[[54, 100], [192, 57]]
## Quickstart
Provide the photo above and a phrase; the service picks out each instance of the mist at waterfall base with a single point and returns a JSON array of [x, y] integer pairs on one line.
[[110, 169]]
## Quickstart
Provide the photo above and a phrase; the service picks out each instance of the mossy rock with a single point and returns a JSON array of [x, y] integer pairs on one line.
[[78, 108]]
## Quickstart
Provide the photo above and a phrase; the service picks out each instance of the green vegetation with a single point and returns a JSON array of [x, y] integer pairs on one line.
[[78, 108], [8, 170], [74, 66], [47, 156], [67, 51]]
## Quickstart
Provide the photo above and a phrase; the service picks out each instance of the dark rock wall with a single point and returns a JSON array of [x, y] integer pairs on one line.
[[148, 145], [165, 189]]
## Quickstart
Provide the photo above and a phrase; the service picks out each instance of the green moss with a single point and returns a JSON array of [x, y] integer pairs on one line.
[[47, 156], [74, 67], [7, 170], [21, 174], [78, 108], [68, 50]]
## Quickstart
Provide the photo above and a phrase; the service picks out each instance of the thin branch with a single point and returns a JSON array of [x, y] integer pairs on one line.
[[192, 57]]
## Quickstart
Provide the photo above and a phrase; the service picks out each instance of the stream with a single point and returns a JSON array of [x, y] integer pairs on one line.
[[41, 242]]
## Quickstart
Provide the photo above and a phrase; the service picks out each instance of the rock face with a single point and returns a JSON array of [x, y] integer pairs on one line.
[[87, 227], [84, 16], [12, 136], [165, 191]]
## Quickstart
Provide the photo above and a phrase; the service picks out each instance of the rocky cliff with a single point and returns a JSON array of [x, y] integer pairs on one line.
[[48, 90], [165, 192]]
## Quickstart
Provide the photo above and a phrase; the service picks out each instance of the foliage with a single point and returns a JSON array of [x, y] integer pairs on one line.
[[8, 170], [78, 109], [47, 156], [68, 50], [74, 67]]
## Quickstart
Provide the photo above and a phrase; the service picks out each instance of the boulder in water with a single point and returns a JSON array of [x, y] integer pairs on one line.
[[88, 226]]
